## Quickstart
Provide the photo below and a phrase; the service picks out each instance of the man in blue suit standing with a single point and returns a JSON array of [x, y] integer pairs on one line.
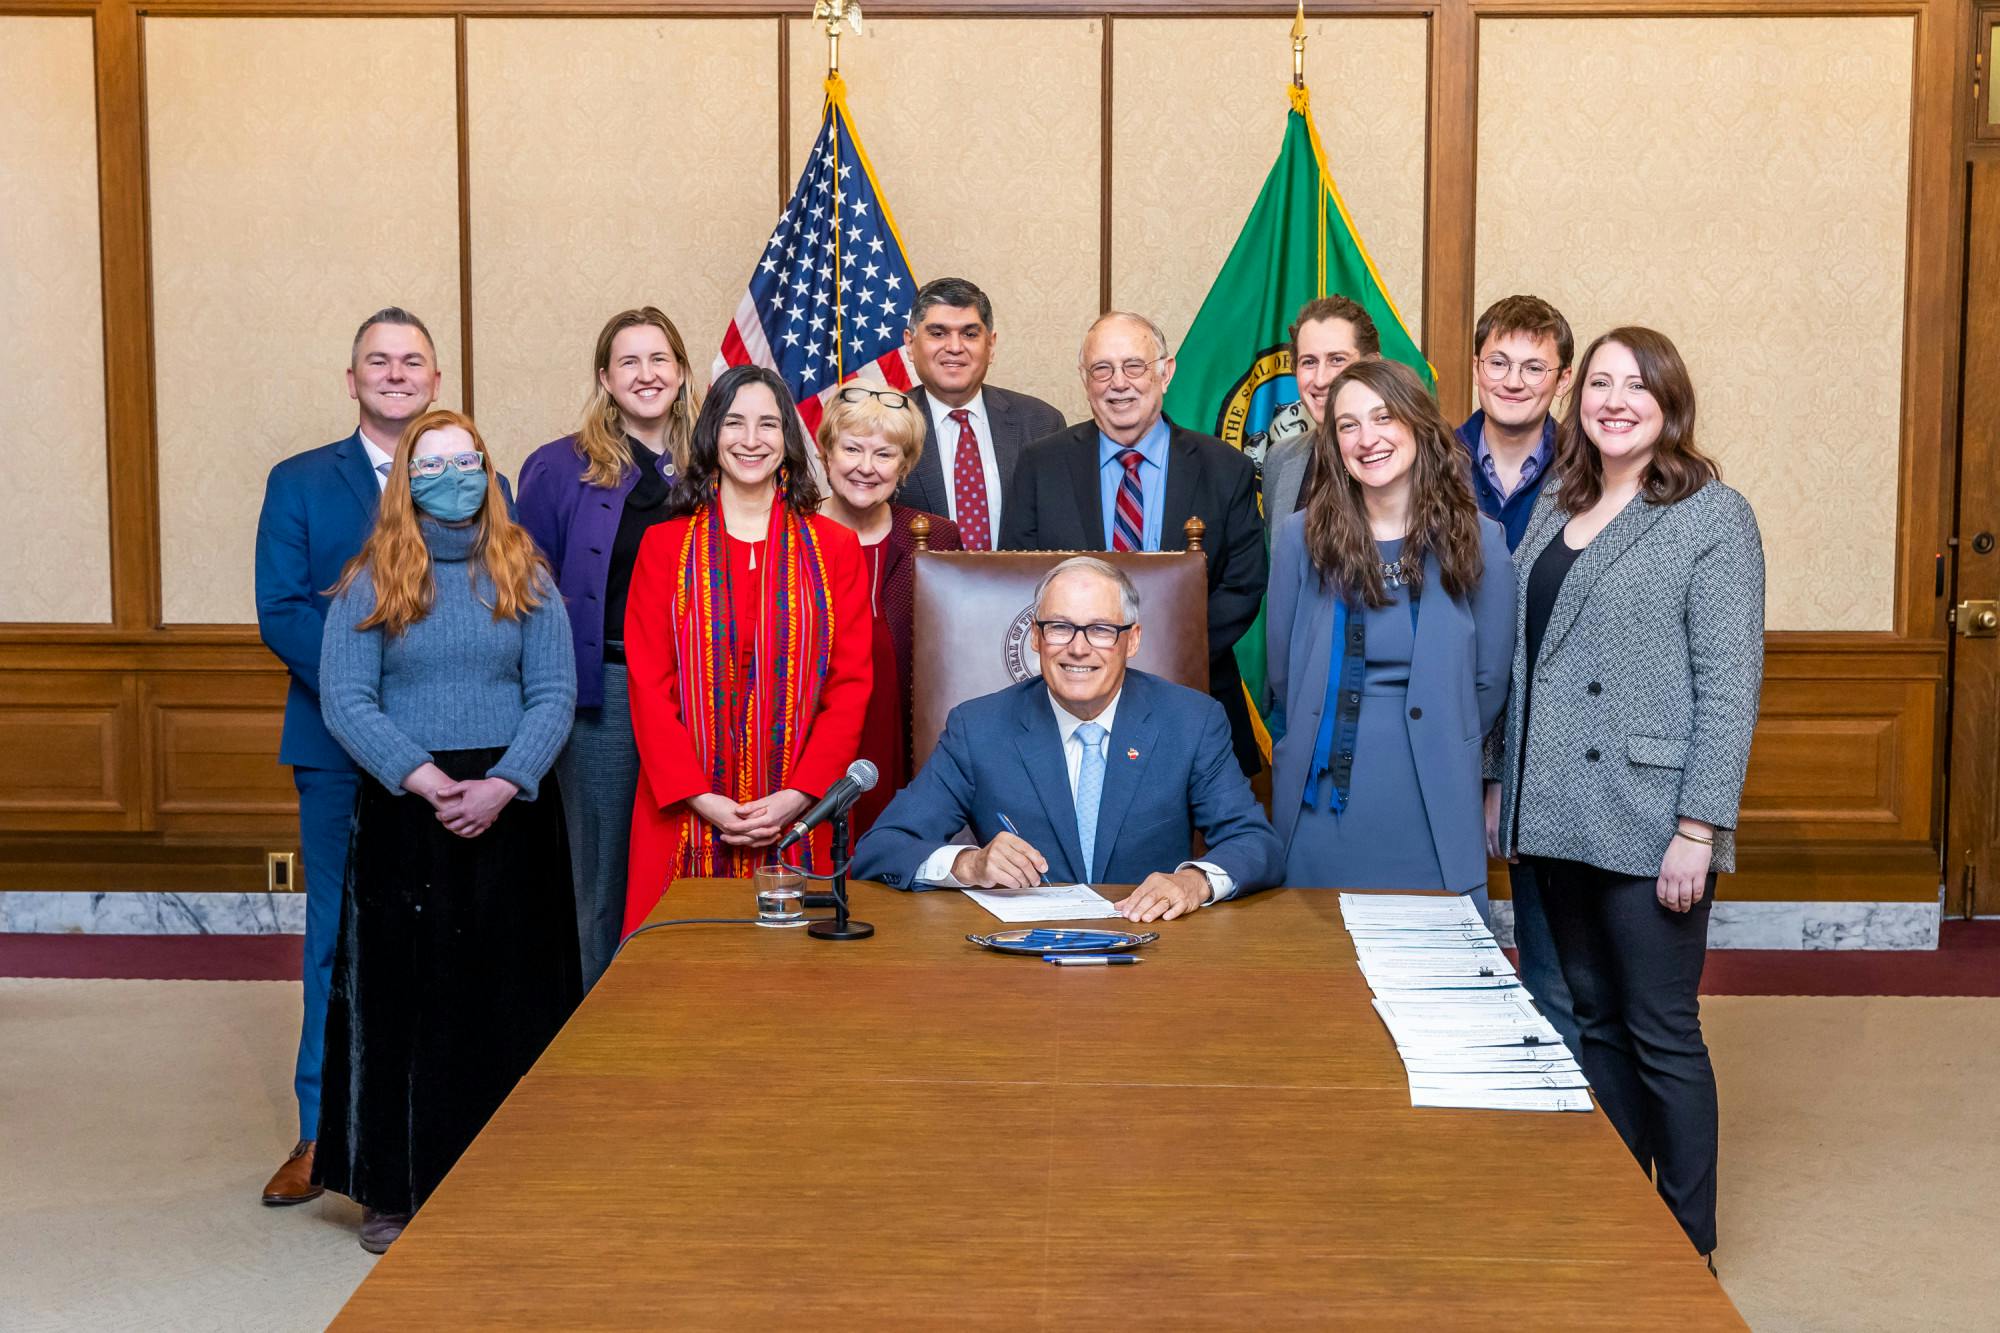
[[1103, 773], [318, 509]]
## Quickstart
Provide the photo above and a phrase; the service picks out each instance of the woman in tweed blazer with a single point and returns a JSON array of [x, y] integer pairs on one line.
[[1637, 667]]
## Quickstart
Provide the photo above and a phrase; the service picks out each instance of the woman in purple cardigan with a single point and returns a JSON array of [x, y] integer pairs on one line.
[[588, 500]]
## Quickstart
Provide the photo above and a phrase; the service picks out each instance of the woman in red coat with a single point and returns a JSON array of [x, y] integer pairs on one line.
[[747, 642]]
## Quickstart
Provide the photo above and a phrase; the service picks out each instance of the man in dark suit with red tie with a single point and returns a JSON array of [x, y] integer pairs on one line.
[[975, 432], [1129, 479]]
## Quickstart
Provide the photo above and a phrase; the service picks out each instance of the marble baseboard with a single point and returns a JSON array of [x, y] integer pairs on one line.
[[33, 913], [1800, 925]]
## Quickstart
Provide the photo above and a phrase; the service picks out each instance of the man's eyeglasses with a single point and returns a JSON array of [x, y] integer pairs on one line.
[[1497, 367], [433, 465], [1059, 633], [1100, 372], [889, 398]]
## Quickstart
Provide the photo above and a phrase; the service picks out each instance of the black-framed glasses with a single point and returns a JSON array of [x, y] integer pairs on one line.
[[889, 398], [1100, 372], [1497, 367], [433, 465], [1059, 633]]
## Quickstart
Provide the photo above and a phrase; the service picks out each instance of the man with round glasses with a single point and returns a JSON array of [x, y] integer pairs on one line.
[[1521, 366], [1090, 773], [1129, 479]]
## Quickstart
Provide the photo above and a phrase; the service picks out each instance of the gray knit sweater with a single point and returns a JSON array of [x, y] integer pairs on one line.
[[456, 680]]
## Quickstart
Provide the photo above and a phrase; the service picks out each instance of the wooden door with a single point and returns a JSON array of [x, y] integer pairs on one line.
[[1972, 829]]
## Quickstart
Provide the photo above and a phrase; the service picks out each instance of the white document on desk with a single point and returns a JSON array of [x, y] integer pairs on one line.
[[1044, 902]]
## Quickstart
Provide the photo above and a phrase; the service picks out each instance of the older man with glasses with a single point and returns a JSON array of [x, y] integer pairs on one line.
[[1129, 479], [1089, 773]]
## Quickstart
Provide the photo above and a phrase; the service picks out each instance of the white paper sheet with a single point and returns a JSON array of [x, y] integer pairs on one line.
[[1045, 902]]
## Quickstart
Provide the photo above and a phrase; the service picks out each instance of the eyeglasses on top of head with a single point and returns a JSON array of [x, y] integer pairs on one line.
[[1059, 633], [889, 398], [433, 465]]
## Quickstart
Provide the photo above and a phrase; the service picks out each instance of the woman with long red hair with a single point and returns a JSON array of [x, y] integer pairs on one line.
[[747, 642], [446, 671]]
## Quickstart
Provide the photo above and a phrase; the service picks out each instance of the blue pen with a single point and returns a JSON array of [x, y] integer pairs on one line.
[[1008, 824], [1090, 959]]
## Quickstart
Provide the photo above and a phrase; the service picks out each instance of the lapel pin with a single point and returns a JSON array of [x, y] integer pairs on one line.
[[1132, 754]]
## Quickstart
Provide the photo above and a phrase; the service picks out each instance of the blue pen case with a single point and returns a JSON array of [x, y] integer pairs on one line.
[[1040, 940]]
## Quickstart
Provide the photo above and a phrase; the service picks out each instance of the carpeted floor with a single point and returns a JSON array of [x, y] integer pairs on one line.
[[140, 1118]]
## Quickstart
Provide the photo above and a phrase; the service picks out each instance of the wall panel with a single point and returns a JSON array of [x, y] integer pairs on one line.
[[1742, 184], [608, 170], [1199, 108], [55, 536], [983, 135], [304, 174]]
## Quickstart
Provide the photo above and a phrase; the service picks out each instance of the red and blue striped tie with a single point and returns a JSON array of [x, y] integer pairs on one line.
[[1128, 527]]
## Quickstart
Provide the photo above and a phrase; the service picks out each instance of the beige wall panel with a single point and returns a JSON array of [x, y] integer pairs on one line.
[[1199, 110], [55, 535], [614, 163], [984, 137], [304, 174], [1742, 185]]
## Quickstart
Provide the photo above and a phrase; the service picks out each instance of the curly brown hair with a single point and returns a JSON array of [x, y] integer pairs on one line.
[[1444, 519], [1677, 469]]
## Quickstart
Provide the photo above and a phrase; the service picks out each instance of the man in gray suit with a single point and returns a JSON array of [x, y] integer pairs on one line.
[[974, 431], [1330, 334]]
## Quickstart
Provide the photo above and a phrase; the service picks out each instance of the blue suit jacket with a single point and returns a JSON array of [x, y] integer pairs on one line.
[[1172, 771], [319, 507]]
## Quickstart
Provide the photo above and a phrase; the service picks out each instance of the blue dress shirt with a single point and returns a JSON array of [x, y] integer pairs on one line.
[[1152, 447]]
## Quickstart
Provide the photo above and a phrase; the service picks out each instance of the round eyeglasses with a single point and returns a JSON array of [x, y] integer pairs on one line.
[[1497, 367], [1100, 372]]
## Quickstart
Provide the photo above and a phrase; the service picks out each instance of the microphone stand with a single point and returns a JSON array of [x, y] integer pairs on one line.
[[839, 928]]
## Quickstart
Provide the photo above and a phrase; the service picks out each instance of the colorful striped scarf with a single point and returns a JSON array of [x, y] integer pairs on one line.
[[748, 728]]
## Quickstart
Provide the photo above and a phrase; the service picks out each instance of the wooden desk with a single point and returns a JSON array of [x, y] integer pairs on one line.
[[750, 1128]]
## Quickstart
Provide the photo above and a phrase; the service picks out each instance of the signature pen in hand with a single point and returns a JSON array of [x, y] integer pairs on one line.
[[1008, 824]]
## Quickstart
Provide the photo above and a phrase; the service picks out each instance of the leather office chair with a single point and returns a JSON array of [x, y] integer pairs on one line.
[[973, 614]]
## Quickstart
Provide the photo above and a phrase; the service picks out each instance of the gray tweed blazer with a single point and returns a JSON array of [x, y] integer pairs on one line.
[[1646, 688]]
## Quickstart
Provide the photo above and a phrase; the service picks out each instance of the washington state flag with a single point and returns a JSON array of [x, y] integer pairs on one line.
[[1233, 375]]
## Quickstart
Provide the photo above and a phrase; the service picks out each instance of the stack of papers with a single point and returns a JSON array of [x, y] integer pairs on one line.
[[1468, 1032], [1045, 902]]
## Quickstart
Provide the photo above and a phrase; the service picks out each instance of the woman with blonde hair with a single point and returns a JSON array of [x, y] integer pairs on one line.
[[869, 440], [446, 673], [589, 499]]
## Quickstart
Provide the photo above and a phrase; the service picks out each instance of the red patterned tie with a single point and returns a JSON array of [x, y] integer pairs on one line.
[[1128, 521], [968, 487]]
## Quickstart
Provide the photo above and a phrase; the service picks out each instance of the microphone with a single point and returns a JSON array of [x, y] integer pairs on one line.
[[861, 777]]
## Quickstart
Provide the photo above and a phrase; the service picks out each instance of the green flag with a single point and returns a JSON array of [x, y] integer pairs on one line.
[[1233, 373]]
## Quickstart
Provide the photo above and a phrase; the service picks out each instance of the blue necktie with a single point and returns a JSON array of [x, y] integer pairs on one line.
[[1089, 788], [382, 470]]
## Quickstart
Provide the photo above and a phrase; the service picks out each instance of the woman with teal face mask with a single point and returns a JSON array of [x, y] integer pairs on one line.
[[447, 672]]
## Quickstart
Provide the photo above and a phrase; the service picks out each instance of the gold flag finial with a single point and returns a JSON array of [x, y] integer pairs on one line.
[[833, 13], [1299, 46]]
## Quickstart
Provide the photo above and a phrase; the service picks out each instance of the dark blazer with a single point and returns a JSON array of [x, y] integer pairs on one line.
[[1016, 419], [1458, 687], [319, 507], [1171, 772], [1646, 690], [1058, 505], [576, 525]]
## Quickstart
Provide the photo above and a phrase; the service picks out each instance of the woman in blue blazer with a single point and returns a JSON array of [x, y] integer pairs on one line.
[[1391, 631], [588, 499]]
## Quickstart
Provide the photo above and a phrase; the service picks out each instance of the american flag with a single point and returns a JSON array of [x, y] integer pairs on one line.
[[830, 299]]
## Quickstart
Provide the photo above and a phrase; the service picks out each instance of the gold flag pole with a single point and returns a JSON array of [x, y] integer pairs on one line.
[[833, 13], [1299, 47]]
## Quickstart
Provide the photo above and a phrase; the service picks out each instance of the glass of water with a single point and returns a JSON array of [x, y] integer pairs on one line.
[[780, 896]]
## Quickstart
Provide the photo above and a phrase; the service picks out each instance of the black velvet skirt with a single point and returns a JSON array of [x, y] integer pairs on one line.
[[455, 965]]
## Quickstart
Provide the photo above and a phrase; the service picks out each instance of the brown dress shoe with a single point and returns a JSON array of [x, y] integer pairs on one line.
[[379, 1230], [293, 1182]]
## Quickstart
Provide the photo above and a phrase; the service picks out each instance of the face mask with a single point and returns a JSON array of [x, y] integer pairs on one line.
[[451, 496]]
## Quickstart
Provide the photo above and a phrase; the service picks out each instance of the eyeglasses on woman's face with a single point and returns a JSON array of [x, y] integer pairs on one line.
[[434, 465], [889, 398]]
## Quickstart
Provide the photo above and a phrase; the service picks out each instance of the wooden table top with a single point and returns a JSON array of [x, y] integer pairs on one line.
[[745, 1127]]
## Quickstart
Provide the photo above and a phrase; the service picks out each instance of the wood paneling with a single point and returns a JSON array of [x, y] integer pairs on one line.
[[67, 752], [214, 752]]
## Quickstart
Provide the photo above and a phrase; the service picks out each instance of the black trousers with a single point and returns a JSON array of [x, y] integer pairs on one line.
[[1634, 971]]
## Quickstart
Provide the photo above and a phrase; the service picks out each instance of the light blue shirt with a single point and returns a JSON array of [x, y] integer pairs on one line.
[[1152, 447]]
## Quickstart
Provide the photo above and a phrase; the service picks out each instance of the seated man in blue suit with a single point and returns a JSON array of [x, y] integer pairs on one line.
[[319, 506], [1105, 774]]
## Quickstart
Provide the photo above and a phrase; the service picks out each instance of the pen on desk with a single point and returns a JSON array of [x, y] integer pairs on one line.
[[1008, 824], [1090, 959]]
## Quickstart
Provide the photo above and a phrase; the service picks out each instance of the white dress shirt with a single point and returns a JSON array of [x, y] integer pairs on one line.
[[989, 462], [936, 868], [376, 458]]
